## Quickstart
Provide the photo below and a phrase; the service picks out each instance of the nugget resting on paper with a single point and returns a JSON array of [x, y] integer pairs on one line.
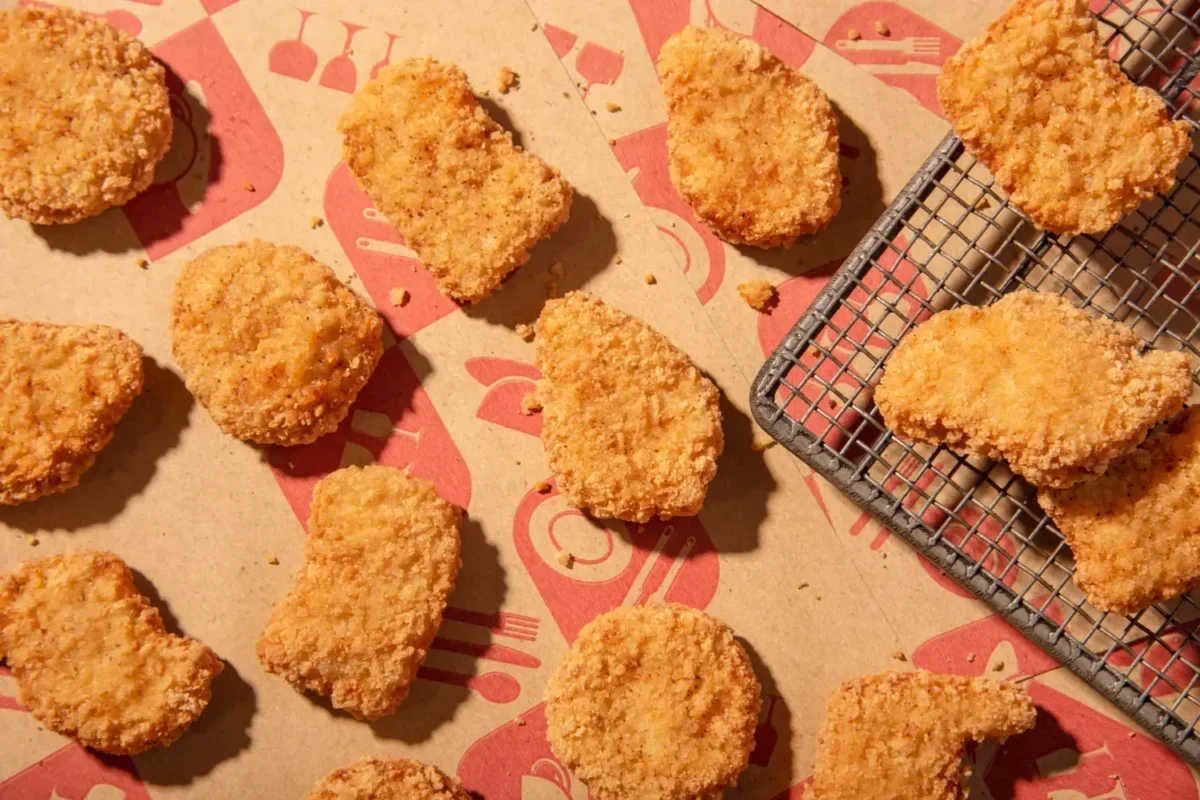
[[1135, 530], [86, 115], [399, 779], [654, 702], [65, 389], [380, 560], [752, 143], [1038, 101], [271, 342], [631, 428], [467, 200], [1050, 388], [902, 735], [92, 658]]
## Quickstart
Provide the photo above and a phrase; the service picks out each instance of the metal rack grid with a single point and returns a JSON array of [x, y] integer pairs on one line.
[[951, 238]]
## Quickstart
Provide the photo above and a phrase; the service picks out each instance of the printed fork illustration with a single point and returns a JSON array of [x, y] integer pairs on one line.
[[912, 45]]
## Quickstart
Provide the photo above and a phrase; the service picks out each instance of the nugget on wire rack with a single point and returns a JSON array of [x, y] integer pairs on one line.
[[654, 702], [86, 115], [631, 428], [380, 559], [467, 200], [1050, 388], [400, 779], [1135, 530], [902, 735], [271, 342], [92, 659], [753, 144], [65, 388], [1038, 101]]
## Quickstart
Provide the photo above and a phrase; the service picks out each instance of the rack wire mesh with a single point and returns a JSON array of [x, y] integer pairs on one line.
[[952, 238]]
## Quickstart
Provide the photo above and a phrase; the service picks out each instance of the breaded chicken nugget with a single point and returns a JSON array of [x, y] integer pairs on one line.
[[1073, 142], [902, 735], [655, 702], [1032, 380], [380, 560], [753, 144], [401, 779], [631, 428], [92, 659], [271, 342], [84, 115], [65, 388], [1135, 530], [469, 201]]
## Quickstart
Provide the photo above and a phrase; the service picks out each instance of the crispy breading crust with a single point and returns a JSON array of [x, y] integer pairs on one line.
[[272, 344], [380, 560], [84, 115], [467, 200], [1053, 390], [631, 428], [1135, 530], [902, 735], [400, 779], [758, 294], [753, 144], [655, 702], [65, 388], [92, 659], [1073, 142]]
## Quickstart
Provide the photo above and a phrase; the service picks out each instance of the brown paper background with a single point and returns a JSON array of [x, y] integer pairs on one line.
[[198, 514]]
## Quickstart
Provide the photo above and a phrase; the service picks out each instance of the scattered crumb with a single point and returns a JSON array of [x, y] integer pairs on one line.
[[803, 585], [273, 561], [567, 95], [248, 186], [315, 222], [31, 540], [761, 445], [650, 279], [983, 203], [526, 332], [556, 269], [899, 656], [484, 93], [882, 29], [612, 107], [398, 296], [883, 555], [612, 142], [541, 487], [565, 558], [998, 666], [530, 404], [532, 27], [818, 597], [1131, 734], [520, 723], [552, 288], [853, 35], [350, 51], [593, 112], [618, 261], [758, 294], [291, 465], [143, 263], [505, 80], [970, 658]]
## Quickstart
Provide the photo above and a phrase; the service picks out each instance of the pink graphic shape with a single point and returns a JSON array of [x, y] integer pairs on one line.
[[341, 73], [502, 654], [211, 6], [966, 650], [499, 623], [387, 57], [72, 773], [597, 64], [514, 762], [245, 150], [378, 254], [508, 382], [561, 41], [794, 792], [294, 58], [495, 687]]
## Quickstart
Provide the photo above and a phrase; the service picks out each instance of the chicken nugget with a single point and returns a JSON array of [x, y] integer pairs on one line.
[[271, 342], [655, 702], [631, 428], [84, 115], [1073, 142], [902, 735], [753, 144], [92, 658], [400, 779], [380, 560], [1135, 530], [467, 200], [65, 389], [1032, 380]]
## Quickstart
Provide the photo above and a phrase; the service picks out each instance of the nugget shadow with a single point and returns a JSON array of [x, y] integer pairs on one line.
[[108, 232], [737, 498], [1014, 762], [500, 114], [124, 468], [773, 735]]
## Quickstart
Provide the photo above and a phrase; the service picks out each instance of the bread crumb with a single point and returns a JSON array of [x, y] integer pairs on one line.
[[970, 658], [565, 558], [532, 27], [899, 656], [761, 445], [853, 35], [882, 29], [273, 561], [350, 51], [398, 295], [506, 79], [649, 279], [541, 487], [143, 263], [556, 269], [612, 142], [998, 666], [818, 597], [758, 294], [983, 203], [520, 723], [31, 540], [803, 585], [526, 332], [530, 404], [618, 261], [1131, 734], [612, 107], [315, 222], [248, 186]]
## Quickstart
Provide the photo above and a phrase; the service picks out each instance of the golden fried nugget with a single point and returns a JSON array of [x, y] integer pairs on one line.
[[902, 735], [753, 144], [1038, 101], [92, 658], [400, 779], [467, 200], [380, 560], [631, 428], [271, 342], [1135, 530], [1053, 390], [65, 388], [84, 115], [655, 702]]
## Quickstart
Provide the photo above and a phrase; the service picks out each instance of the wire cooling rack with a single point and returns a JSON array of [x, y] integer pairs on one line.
[[951, 238]]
